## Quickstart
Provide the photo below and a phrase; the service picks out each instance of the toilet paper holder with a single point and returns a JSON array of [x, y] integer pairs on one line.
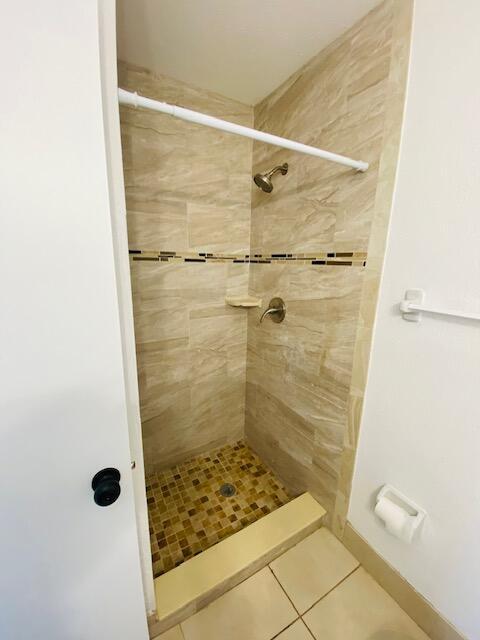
[[416, 515]]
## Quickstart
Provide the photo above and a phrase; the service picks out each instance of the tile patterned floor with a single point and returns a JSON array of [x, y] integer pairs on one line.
[[336, 599], [188, 514]]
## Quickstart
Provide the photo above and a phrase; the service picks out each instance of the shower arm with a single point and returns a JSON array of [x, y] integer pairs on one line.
[[282, 168], [133, 99]]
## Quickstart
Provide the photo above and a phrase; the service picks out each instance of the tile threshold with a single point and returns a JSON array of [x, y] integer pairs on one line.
[[191, 586]]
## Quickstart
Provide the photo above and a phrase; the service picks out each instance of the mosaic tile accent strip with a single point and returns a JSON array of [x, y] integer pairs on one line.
[[187, 512], [342, 258]]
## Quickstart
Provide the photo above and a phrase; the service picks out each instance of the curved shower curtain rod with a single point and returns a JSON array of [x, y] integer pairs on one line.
[[133, 99]]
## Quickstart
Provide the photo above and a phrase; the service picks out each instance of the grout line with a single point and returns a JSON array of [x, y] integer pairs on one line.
[[308, 628], [281, 586], [299, 616], [232, 589], [287, 627], [332, 589]]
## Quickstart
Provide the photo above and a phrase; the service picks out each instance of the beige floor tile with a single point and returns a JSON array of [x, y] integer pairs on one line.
[[255, 610], [297, 631], [172, 634], [312, 568], [359, 609]]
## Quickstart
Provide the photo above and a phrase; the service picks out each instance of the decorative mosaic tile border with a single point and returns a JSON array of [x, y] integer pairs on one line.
[[340, 258]]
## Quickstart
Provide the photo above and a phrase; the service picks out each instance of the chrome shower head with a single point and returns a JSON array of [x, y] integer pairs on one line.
[[264, 180]]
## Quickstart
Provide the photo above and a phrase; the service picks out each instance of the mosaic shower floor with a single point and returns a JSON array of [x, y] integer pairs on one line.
[[187, 512]]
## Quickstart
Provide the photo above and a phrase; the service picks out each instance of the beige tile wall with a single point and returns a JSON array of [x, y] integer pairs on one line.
[[299, 372], [187, 190], [402, 16]]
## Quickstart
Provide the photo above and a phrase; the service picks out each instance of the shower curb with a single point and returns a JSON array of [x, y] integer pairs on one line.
[[194, 584]]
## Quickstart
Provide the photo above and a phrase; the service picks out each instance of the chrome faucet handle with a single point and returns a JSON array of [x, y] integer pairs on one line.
[[276, 310], [267, 312]]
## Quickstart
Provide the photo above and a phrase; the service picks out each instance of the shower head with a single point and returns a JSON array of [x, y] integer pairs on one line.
[[264, 180]]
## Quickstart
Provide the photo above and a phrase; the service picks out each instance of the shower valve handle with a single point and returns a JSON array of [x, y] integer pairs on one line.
[[276, 310], [267, 312]]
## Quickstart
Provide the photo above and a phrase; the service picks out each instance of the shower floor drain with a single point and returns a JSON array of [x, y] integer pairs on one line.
[[227, 490]]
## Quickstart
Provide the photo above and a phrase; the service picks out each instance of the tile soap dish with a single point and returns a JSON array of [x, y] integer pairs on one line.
[[243, 301]]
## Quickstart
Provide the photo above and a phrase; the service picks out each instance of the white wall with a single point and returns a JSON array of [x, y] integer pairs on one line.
[[421, 423]]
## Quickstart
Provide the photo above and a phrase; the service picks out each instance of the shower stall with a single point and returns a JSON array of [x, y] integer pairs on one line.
[[239, 416]]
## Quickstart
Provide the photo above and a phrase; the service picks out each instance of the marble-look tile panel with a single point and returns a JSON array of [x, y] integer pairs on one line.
[[161, 224], [212, 229], [285, 441], [300, 402], [191, 356], [299, 373], [402, 16], [187, 189]]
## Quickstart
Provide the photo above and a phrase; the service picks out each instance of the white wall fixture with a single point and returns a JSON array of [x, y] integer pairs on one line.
[[134, 100], [412, 308], [400, 515]]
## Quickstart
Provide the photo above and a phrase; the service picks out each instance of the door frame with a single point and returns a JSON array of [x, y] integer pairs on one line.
[[116, 187]]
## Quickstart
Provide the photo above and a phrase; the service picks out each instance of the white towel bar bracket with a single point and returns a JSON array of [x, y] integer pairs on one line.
[[412, 308]]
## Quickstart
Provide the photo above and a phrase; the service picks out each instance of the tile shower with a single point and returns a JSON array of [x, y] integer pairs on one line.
[[271, 408]]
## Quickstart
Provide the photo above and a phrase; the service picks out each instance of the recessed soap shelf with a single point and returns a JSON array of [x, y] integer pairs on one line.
[[243, 301]]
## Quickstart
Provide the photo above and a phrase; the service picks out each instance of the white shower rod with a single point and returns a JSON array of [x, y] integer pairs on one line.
[[133, 99]]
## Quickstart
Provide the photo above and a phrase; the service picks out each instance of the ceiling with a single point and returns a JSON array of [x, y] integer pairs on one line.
[[242, 49]]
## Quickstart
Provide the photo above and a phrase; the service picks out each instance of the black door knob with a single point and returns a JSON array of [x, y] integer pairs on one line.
[[106, 486]]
